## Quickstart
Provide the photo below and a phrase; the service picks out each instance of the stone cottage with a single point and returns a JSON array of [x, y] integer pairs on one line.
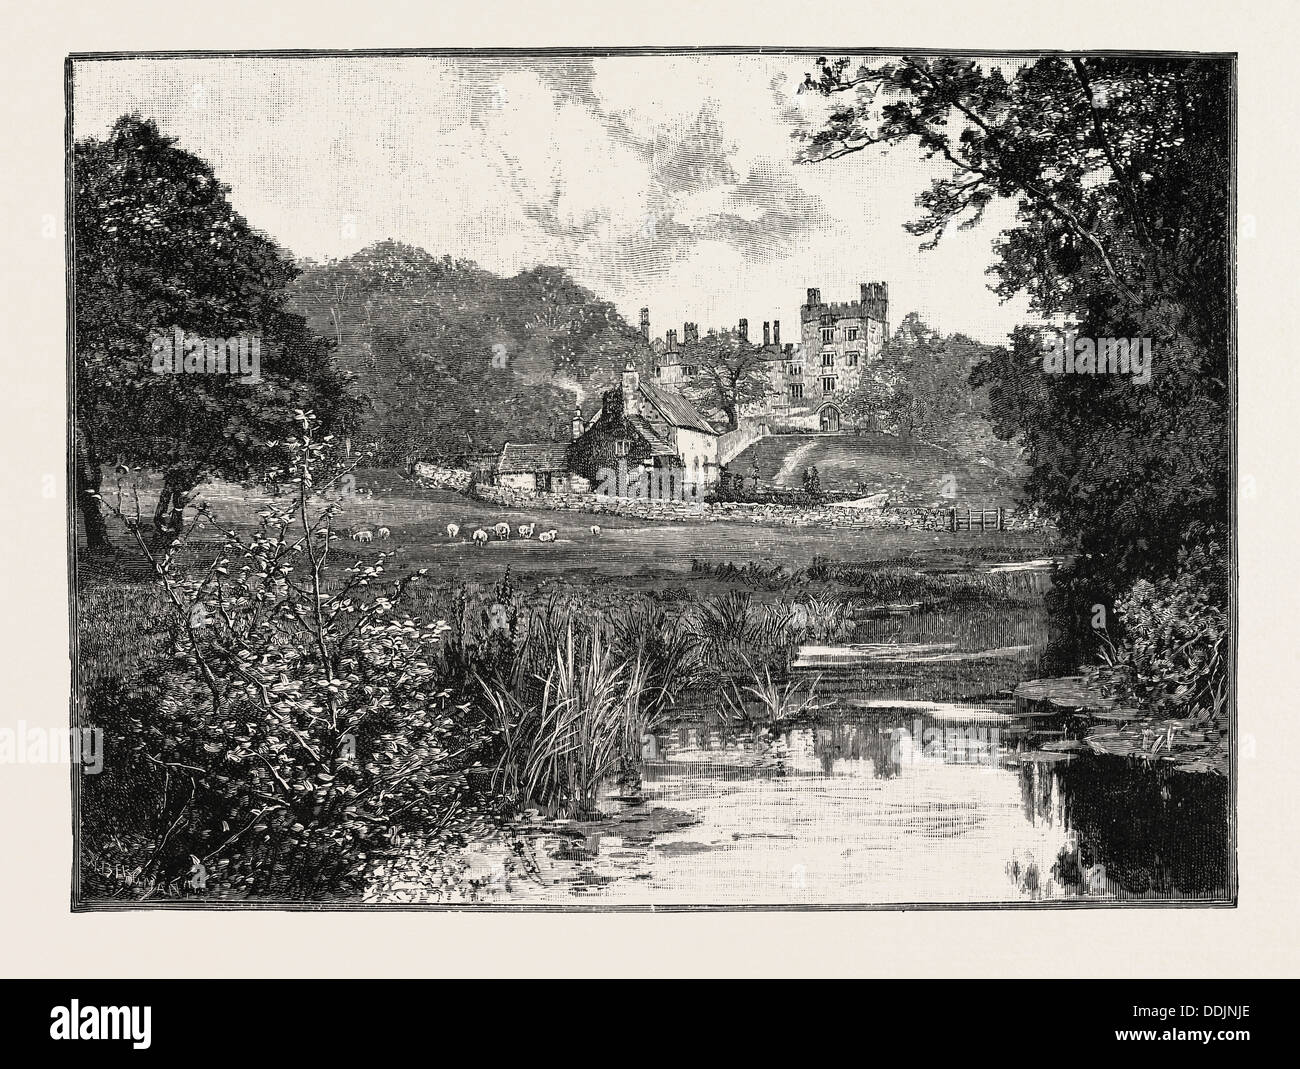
[[537, 466], [646, 441]]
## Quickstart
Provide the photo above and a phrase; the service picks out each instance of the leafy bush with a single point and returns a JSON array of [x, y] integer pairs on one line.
[[1173, 657], [303, 726]]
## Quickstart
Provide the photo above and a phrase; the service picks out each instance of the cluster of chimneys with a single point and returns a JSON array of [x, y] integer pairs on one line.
[[691, 332]]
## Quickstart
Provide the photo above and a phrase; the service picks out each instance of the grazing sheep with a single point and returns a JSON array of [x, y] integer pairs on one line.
[[526, 530], [364, 536], [502, 531], [383, 533], [546, 536], [481, 536], [595, 530], [453, 530]]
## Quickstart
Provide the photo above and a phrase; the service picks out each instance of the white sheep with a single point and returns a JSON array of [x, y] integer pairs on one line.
[[546, 536], [383, 533], [453, 530], [481, 536], [364, 536], [502, 531], [526, 530], [595, 530]]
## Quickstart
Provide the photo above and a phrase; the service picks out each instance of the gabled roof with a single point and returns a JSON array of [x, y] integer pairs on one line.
[[658, 447], [676, 409], [518, 458]]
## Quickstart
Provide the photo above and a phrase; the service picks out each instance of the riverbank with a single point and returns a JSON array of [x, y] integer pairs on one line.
[[1102, 725]]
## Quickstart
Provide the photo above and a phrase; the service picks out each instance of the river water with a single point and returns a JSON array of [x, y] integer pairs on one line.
[[916, 784]]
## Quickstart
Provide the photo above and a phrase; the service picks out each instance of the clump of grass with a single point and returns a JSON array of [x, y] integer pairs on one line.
[[756, 574], [723, 622], [560, 742], [821, 619], [777, 703]]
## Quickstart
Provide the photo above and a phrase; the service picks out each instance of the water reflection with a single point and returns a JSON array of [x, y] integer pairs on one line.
[[885, 809], [1133, 831]]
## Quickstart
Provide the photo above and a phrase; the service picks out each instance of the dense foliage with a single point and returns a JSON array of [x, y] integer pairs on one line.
[[301, 724], [452, 359], [159, 248], [1119, 169]]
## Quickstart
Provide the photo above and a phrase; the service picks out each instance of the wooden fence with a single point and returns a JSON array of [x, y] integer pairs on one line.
[[976, 519]]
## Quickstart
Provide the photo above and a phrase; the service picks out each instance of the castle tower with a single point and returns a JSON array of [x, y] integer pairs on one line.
[[841, 340]]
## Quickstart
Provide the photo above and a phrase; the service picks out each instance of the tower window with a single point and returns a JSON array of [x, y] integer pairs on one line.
[[828, 385], [853, 333], [828, 359], [828, 333], [852, 359]]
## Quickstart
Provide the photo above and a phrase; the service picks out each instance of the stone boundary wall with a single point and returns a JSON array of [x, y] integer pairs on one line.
[[733, 443], [440, 478], [916, 518]]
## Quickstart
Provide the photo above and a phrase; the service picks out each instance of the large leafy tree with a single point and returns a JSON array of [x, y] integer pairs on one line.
[[159, 248], [1119, 172], [730, 372], [920, 383]]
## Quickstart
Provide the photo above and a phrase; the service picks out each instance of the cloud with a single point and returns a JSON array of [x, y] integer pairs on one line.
[[769, 213], [663, 180]]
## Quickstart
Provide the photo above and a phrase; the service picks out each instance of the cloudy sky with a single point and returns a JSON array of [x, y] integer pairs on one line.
[[665, 181]]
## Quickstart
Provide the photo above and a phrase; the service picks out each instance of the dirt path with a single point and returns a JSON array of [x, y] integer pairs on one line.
[[792, 462]]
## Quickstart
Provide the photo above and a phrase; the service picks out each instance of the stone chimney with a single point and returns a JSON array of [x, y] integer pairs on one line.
[[690, 332], [743, 330], [670, 340], [814, 298], [776, 333], [578, 425], [631, 383], [645, 323], [767, 334]]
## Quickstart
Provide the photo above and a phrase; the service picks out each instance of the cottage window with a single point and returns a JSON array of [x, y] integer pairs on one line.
[[622, 446], [688, 370]]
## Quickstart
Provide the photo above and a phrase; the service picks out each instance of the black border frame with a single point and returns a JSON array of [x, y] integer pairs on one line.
[[81, 905]]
